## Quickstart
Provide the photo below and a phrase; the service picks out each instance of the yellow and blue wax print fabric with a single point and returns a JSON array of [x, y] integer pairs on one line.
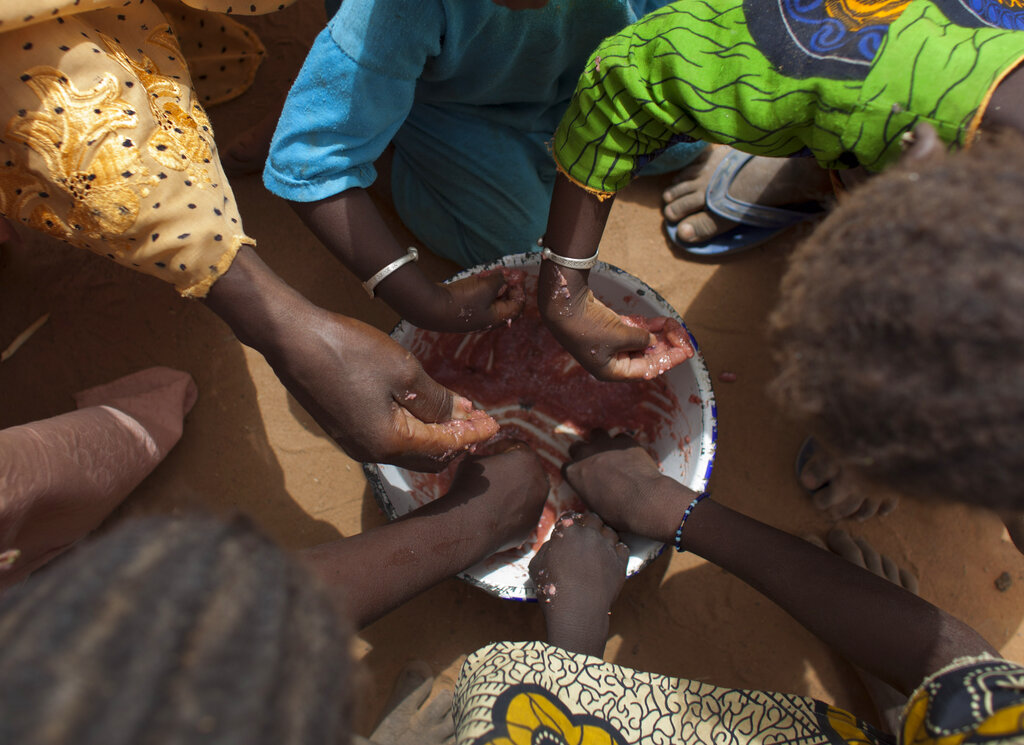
[[972, 701], [839, 80], [525, 693]]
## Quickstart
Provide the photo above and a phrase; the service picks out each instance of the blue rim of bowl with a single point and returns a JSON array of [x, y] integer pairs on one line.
[[710, 415]]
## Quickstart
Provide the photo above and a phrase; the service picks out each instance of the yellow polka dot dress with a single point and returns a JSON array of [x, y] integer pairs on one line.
[[103, 141]]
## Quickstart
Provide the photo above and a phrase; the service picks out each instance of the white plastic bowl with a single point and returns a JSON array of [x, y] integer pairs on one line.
[[685, 450]]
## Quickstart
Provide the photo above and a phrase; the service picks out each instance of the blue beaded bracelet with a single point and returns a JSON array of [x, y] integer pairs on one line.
[[678, 542]]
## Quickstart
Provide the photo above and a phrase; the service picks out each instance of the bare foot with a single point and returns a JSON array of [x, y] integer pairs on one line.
[[858, 551], [774, 182], [248, 152], [579, 573], [837, 491], [888, 701], [410, 719]]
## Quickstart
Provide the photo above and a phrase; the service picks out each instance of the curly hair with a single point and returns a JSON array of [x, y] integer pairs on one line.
[[900, 330], [173, 631]]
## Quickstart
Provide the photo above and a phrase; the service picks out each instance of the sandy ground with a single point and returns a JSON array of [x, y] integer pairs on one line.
[[248, 447]]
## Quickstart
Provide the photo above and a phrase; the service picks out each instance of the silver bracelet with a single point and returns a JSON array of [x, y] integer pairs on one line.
[[547, 253], [370, 285]]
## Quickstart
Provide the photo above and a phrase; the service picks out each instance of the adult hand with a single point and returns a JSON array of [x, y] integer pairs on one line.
[[607, 345], [620, 481], [474, 303], [374, 398], [362, 387]]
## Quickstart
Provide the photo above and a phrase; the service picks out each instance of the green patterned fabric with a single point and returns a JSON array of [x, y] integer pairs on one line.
[[693, 70]]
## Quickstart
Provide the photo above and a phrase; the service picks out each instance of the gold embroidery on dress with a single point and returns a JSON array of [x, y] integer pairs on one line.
[[17, 184], [75, 133], [178, 143]]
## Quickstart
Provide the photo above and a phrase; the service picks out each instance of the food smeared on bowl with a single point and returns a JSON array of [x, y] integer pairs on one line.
[[538, 393]]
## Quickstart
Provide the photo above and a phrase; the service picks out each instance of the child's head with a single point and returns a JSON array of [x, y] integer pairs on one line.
[[900, 330], [173, 630]]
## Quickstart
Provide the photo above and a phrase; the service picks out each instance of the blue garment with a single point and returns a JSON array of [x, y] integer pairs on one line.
[[469, 92]]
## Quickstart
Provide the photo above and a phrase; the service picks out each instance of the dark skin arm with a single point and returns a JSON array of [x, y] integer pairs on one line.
[[589, 330], [493, 504], [353, 230], [1006, 107], [873, 623], [578, 573], [595, 335], [365, 390]]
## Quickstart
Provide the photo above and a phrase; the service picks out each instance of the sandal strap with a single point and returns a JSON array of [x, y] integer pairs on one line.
[[721, 202]]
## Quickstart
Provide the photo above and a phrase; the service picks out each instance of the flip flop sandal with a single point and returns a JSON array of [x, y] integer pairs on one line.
[[758, 223]]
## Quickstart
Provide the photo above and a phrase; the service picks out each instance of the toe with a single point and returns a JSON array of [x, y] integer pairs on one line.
[[828, 499], [908, 581], [680, 190], [872, 559], [680, 204], [815, 540], [868, 508], [845, 499], [887, 505], [842, 544], [817, 471], [890, 570], [845, 505], [702, 226]]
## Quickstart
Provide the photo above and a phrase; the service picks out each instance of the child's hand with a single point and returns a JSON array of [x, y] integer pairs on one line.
[[609, 346], [475, 303], [619, 481], [578, 573], [508, 487]]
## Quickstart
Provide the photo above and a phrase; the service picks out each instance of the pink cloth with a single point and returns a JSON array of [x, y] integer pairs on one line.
[[60, 477]]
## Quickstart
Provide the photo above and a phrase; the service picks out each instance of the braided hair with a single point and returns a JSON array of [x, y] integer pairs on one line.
[[171, 630]]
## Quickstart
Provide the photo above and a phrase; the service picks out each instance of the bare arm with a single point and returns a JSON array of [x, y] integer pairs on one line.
[[353, 230], [493, 504], [365, 390], [590, 331], [873, 623], [1006, 107]]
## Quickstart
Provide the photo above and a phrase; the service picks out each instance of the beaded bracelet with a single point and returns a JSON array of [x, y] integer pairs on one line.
[[678, 542]]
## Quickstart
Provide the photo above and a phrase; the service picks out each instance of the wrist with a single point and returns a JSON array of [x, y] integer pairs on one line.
[[371, 283], [703, 529], [667, 500], [568, 262], [582, 629], [678, 541], [415, 298], [560, 291], [261, 309]]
